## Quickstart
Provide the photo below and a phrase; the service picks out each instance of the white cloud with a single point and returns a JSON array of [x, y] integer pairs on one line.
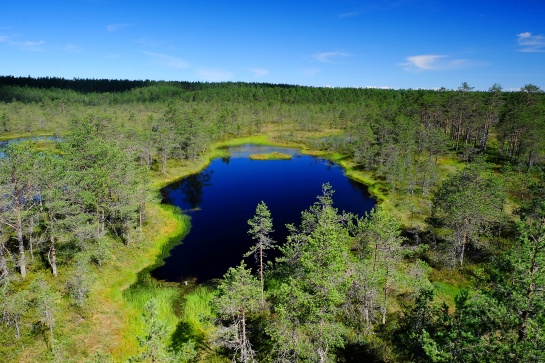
[[167, 60], [329, 56], [434, 62], [27, 45], [259, 72], [71, 48], [531, 43], [214, 74], [116, 27]]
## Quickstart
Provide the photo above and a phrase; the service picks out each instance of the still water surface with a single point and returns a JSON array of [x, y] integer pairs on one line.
[[222, 198]]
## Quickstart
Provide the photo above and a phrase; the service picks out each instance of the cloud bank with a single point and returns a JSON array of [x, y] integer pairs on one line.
[[531, 43], [433, 62], [327, 57], [27, 45]]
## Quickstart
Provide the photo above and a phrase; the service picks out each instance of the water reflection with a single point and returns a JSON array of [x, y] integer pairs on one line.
[[189, 190], [218, 236]]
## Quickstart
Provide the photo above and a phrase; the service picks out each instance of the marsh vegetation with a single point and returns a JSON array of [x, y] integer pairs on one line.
[[447, 268]]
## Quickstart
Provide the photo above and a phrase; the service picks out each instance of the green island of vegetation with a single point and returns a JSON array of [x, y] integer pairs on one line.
[[271, 156], [450, 267]]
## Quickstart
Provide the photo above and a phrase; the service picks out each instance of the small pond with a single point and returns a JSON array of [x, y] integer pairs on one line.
[[222, 198], [4, 143]]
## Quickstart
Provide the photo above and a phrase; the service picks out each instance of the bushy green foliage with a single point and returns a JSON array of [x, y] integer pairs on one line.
[[469, 205], [70, 208], [155, 340]]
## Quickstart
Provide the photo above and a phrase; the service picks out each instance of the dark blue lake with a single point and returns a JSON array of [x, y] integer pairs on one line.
[[222, 198]]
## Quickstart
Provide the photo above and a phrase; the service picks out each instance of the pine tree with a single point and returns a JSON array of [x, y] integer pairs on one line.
[[261, 228]]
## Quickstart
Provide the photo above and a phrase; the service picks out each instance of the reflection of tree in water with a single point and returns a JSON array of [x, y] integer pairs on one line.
[[359, 186], [192, 186], [226, 160]]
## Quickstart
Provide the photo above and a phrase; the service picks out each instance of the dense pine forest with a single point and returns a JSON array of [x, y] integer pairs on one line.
[[449, 267]]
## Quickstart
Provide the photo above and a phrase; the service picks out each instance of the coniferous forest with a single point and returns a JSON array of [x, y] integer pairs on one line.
[[448, 267]]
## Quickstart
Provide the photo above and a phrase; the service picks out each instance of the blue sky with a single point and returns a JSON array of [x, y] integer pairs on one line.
[[338, 43]]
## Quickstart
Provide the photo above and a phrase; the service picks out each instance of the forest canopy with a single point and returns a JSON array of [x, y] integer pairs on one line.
[[449, 267]]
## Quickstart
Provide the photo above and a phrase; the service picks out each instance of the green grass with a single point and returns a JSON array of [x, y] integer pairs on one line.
[[197, 309], [144, 288], [448, 283], [9, 136], [271, 156], [124, 286], [254, 140]]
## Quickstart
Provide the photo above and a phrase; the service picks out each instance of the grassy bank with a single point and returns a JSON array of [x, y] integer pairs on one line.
[[125, 285], [111, 317]]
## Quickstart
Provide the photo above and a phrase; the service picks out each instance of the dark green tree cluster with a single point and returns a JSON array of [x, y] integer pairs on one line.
[[332, 286], [402, 140], [60, 210], [468, 207], [503, 322]]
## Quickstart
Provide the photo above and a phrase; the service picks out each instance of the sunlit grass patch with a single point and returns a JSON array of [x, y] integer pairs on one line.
[[10, 135], [197, 309], [449, 165], [254, 140], [271, 156], [447, 284], [123, 291]]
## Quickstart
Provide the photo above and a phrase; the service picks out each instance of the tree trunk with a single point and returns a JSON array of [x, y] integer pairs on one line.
[[3, 263], [385, 305], [261, 274], [164, 162], [17, 328], [22, 261], [53, 254], [463, 245], [385, 302], [102, 223], [243, 352], [485, 136], [31, 239], [531, 159]]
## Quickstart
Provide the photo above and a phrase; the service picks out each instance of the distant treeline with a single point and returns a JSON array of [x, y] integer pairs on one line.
[[372, 119], [17, 87], [87, 91]]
